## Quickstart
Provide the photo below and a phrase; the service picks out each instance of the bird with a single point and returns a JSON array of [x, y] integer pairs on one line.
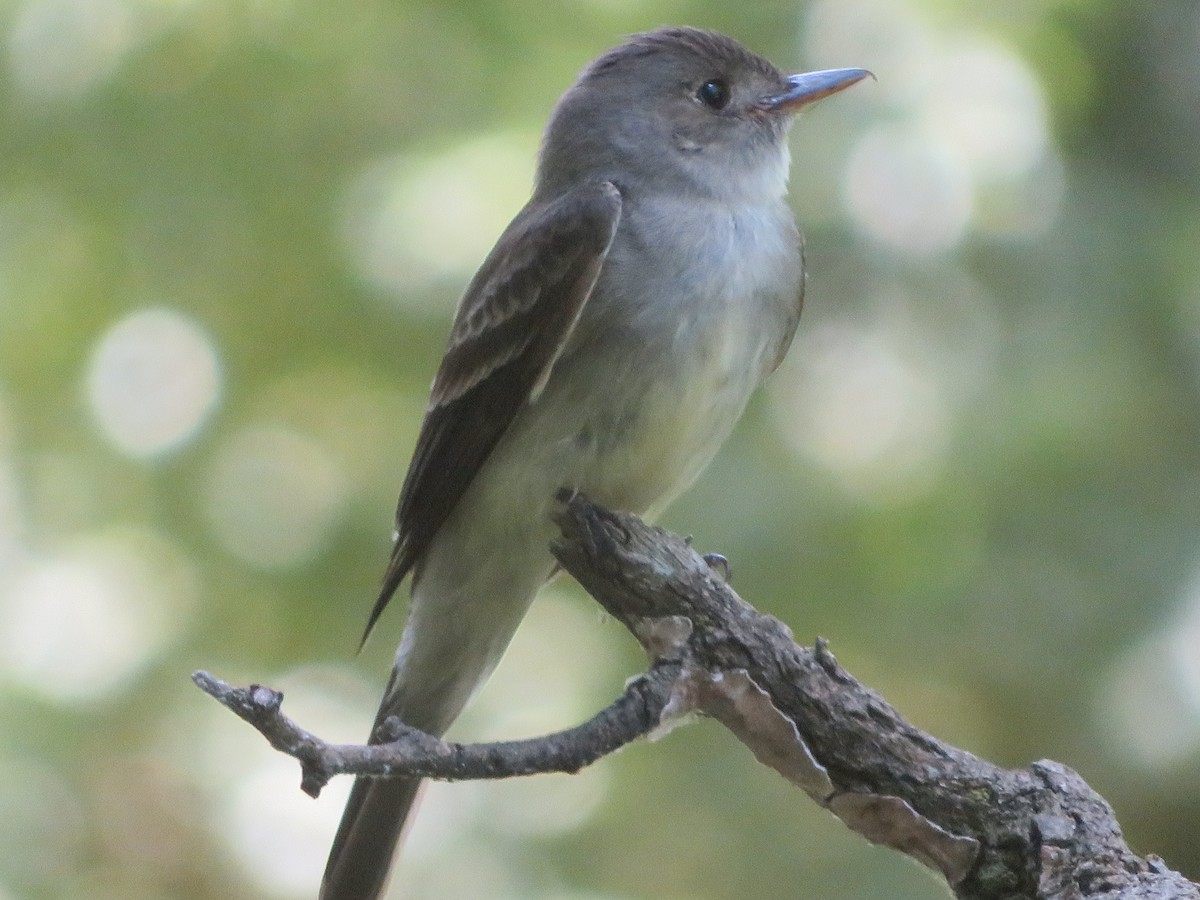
[[607, 345]]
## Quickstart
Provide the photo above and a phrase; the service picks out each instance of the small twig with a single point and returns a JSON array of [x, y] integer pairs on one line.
[[413, 752]]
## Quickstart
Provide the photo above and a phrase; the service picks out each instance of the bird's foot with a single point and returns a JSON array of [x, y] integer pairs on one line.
[[720, 565]]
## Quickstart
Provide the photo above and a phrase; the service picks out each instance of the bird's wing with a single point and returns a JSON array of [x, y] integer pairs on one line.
[[511, 326], [793, 320]]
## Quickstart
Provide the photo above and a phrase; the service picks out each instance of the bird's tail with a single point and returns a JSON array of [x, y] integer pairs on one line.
[[367, 838], [451, 643], [375, 814]]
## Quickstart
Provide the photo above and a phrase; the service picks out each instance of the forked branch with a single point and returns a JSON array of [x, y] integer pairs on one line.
[[991, 832]]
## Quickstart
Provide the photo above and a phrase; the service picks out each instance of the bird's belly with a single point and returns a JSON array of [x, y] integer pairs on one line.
[[657, 420], [677, 430]]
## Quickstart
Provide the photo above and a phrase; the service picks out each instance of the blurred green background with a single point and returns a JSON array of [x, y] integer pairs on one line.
[[232, 235]]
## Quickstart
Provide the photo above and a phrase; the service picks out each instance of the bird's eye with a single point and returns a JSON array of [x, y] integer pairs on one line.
[[714, 93]]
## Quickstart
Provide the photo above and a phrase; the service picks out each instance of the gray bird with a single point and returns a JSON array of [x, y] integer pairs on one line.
[[608, 344]]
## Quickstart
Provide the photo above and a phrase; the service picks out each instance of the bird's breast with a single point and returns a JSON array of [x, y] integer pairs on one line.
[[683, 327]]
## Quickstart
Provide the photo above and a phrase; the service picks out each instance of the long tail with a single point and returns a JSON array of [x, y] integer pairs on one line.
[[460, 622], [367, 838], [373, 821]]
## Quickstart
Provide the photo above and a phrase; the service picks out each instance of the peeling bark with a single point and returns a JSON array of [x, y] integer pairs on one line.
[[992, 833]]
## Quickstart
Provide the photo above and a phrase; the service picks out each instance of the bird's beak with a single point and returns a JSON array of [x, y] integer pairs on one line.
[[812, 86]]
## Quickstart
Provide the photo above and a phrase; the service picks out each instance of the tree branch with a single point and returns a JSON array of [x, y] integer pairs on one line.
[[408, 751], [991, 832]]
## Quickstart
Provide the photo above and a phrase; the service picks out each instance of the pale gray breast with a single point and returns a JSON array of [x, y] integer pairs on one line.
[[682, 267], [691, 312]]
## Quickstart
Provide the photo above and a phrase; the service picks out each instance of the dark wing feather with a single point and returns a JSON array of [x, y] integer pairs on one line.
[[512, 323]]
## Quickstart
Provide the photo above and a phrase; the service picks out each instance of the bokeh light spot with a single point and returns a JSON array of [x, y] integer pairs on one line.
[[274, 496], [858, 407], [60, 48], [153, 381], [413, 220], [968, 144], [889, 37], [279, 845], [1151, 698], [78, 625], [907, 192], [986, 103]]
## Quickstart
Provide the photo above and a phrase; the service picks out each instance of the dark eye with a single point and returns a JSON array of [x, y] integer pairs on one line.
[[714, 93]]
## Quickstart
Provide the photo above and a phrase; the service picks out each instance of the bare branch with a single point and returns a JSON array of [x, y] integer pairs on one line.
[[992, 833], [412, 752]]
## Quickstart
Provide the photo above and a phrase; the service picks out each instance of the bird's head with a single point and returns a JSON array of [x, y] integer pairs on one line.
[[685, 110]]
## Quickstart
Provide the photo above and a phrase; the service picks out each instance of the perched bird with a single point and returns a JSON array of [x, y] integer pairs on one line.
[[608, 344]]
